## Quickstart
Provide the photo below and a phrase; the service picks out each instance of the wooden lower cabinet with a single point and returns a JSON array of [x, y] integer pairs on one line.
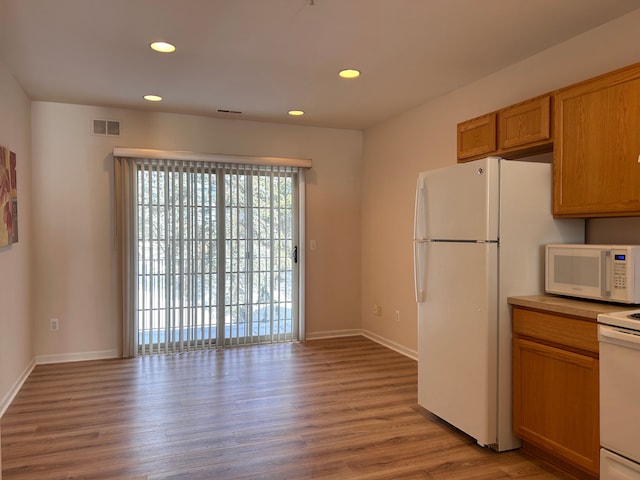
[[555, 392]]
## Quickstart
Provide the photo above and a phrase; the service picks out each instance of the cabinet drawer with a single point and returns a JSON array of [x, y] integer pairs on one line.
[[557, 329]]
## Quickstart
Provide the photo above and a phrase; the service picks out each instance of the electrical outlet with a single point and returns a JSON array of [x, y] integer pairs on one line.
[[54, 324], [397, 315]]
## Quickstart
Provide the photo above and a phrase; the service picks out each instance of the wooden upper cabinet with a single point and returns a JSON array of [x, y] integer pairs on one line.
[[518, 130], [477, 137], [597, 147], [525, 124]]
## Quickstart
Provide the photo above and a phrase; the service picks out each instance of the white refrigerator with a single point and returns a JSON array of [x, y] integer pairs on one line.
[[479, 235]]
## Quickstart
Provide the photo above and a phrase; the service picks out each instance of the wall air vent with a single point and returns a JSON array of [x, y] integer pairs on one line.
[[106, 127], [113, 128]]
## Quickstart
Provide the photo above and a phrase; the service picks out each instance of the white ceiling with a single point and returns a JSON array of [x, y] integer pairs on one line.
[[265, 57]]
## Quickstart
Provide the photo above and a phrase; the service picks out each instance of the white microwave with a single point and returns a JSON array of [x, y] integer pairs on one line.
[[600, 272]]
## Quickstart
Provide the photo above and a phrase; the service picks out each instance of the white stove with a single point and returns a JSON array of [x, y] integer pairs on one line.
[[619, 337], [629, 319]]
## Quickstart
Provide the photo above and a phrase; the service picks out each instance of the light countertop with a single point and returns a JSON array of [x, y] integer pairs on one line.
[[586, 309]]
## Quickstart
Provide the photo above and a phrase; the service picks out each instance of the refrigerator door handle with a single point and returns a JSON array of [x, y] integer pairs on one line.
[[420, 212], [419, 270]]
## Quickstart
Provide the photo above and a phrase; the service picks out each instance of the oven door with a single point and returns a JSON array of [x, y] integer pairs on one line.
[[620, 391], [615, 467]]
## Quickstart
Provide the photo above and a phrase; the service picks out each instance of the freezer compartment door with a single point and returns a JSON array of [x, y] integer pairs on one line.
[[457, 337], [459, 202]]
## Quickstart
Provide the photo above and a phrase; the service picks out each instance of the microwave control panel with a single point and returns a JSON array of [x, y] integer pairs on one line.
[[619, 270]]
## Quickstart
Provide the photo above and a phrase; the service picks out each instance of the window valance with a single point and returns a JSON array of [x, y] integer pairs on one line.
[[148, 153]]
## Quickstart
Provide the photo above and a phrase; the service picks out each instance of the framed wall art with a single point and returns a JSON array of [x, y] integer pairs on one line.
[[8, 198]]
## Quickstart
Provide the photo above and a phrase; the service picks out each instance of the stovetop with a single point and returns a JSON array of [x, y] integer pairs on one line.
[[625, 318]]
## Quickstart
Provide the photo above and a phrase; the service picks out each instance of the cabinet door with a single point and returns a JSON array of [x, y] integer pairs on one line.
[[596, 169], [555, 402], [477, 137], [527, 123]]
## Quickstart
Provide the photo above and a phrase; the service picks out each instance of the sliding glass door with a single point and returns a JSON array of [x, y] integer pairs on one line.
[[217, 256], [261, 274]]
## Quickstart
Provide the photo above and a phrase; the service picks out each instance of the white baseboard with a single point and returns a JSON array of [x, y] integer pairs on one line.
[[76, 357], [44, 359], [365, 333], [13, 391], [333, 334], [392, 345]]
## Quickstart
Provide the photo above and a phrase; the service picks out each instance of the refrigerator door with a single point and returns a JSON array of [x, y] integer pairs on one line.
[[457, 335], [459, 202]]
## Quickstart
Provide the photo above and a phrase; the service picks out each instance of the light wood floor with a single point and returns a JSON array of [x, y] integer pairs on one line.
[[332, 409]]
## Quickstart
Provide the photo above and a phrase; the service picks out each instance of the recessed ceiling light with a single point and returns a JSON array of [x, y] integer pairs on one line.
[[153, 98], [349, 73], [296, 113], [163, 47]]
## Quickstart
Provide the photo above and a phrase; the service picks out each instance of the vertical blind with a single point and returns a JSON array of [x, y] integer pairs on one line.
[[209, 254]]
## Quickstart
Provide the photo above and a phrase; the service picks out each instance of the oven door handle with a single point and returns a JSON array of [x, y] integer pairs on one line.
[[624, 338]]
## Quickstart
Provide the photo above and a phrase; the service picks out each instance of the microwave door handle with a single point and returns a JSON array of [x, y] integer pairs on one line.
[[605, 283]]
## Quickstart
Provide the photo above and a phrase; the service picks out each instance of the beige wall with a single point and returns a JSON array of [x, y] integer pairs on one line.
[[16, 334], [75, 268], [359, 198], [425, 138]]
